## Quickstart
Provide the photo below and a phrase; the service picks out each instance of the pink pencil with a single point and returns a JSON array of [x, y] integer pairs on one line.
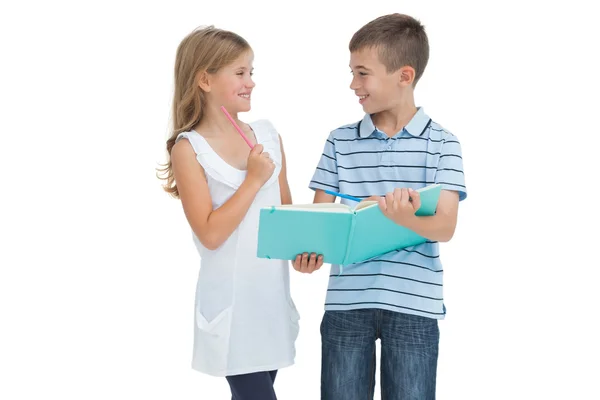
[[237, 127]]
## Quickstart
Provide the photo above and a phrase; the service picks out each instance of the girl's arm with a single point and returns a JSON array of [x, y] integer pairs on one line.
[[286, 194], [213, 227]]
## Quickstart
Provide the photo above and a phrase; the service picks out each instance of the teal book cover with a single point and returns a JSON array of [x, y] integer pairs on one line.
[[342, 234]]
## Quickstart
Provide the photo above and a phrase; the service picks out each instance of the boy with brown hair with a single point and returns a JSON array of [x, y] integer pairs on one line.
[[395, 149]]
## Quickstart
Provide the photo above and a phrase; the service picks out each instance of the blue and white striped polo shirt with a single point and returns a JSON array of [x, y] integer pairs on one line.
[[362, 161]]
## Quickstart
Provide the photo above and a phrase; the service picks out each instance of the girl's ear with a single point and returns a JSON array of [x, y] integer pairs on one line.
[[406, 76], [203, 80]]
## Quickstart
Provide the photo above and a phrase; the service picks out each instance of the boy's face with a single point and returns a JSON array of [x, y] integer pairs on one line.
[[377, 90]]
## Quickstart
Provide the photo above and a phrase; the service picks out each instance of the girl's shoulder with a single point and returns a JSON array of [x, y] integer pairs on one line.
[[265, 129], [198, 142]]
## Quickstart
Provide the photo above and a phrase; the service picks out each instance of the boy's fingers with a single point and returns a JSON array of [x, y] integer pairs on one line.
[[297, 262], [319, 262], [382, 204], [397, 198], [404, 197], [304, 266], [312, 263], [416, 199], [389, 201], [397, 194]]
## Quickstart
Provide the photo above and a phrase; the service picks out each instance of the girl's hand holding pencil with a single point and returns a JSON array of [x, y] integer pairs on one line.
[[260, 165]]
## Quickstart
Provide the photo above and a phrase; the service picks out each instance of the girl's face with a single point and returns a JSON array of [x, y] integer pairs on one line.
[[232, 85]]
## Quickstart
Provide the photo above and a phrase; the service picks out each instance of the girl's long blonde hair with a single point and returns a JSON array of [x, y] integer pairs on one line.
[[206, 49]]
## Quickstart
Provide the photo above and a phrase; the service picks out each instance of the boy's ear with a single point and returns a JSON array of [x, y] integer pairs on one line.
[[203, 80], [406, 76]]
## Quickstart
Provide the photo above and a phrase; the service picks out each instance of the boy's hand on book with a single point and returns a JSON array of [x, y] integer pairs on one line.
[[305, 264], [401, 205], [260, 165]]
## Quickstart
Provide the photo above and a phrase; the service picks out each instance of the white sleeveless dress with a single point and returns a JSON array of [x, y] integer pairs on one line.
[[245, 319]]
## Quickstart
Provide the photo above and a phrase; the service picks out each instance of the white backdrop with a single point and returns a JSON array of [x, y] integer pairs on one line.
[[98, 269]]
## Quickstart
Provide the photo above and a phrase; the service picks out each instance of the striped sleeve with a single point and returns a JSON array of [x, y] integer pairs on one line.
[[449, 171], [325, 176]]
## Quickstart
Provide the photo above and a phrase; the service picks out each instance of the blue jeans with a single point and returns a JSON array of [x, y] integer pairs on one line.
[[409, 353]]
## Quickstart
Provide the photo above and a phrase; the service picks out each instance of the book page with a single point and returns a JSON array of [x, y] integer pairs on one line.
[[365, 204], [319, 207]]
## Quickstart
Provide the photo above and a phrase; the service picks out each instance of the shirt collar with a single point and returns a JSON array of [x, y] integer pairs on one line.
[[416, 126]]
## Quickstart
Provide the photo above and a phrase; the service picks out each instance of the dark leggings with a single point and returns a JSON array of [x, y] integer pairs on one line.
[[254, 386]]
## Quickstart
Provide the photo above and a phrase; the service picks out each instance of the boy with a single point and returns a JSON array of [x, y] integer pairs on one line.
[[393, 150]]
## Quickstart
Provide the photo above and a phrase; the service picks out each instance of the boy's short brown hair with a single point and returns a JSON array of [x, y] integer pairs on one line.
[[401, 41]]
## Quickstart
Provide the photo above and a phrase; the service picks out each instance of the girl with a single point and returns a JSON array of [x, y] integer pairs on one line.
[[245, 320]]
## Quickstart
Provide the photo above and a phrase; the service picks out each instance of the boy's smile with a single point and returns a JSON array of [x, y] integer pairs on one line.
[[373, 85], [376, 88]]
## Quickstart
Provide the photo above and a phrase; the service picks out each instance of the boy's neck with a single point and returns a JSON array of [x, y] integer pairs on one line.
[[393, 120]]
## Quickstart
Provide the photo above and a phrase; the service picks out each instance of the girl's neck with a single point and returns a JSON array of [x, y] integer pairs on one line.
[[215, 122]]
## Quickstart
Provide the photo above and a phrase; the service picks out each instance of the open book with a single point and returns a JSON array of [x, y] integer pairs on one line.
[[342, 234]]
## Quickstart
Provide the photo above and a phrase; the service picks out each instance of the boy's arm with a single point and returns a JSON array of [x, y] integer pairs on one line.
[[325, 176], [439, 227], [449, 174], [322, 197]]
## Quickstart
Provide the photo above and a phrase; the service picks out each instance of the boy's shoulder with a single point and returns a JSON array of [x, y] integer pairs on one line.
[[433, 131], [347, 131], [437, 132], [353, 125]]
